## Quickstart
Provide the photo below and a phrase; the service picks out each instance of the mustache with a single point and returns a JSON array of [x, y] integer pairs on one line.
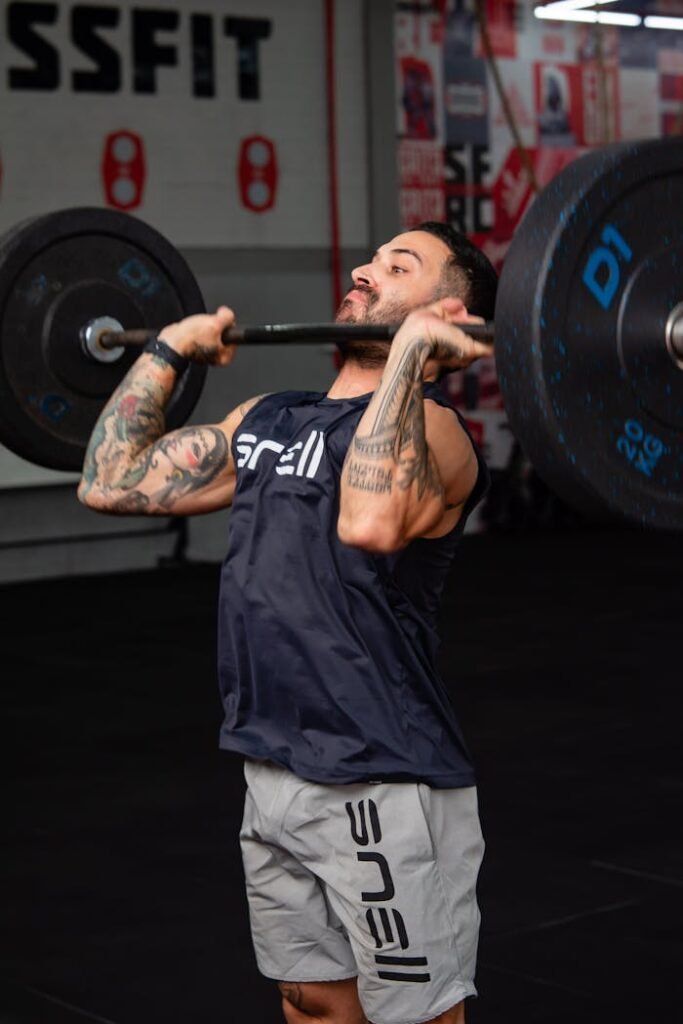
[[365, 289]]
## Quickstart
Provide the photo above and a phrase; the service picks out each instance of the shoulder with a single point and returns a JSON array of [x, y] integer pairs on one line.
[[454, 451], [247, 406], [270, 402], [278, 400], [447, 435], [234, 418], [443, 417]]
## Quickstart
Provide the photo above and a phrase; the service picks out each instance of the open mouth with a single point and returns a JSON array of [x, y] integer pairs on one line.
[[355, 296]]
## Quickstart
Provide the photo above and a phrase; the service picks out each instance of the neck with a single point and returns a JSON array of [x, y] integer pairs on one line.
[[353, 380]]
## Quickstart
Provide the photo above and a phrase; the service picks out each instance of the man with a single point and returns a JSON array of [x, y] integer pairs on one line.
[[360, 838]]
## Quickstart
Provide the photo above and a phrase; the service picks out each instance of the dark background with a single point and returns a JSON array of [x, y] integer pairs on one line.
[[122, 887]]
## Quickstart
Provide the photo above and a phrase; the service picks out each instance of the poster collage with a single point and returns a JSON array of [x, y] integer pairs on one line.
[[570, 87]]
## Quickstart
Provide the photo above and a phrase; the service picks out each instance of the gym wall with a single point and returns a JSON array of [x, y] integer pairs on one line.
[[570, 87], [153, 109], [150, 108]]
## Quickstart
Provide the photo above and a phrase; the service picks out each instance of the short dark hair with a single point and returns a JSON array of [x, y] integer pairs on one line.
[[469, 274]]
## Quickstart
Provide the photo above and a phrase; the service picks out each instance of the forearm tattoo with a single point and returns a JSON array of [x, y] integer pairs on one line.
[[397, 435], [132, 419], [363, 477], [128, 446]]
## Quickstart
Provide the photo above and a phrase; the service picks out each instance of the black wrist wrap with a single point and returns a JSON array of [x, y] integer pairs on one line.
[[159, 348]]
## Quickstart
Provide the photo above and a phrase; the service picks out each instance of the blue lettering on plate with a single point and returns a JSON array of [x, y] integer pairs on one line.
[[642, 450], [602, 273], [54, 407], [138, 277], [36, 290]]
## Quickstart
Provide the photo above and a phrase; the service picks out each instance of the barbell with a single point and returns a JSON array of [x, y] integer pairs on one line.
[[588, 330]]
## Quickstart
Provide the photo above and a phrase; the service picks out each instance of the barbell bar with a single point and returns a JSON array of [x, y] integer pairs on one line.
[[588, 329], [302, 334], [97, 338]]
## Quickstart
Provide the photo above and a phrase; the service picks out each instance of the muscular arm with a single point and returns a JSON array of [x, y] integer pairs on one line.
[[410, 466], [132, 466]]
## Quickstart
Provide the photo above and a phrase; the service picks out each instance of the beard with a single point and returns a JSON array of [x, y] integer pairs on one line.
[[368, 354]]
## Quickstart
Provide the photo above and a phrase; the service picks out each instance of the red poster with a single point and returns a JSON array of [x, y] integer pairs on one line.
[[513, 190], [558, 97], [671, 88], [500, 18], [672, 124], [421, 182], [418, 98], [576, 105], [600, 93]]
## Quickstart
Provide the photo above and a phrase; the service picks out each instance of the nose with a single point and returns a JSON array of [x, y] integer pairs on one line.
[[363, 276]]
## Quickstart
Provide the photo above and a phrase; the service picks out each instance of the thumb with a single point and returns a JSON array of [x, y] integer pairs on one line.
[[225, 314], [449, 308]]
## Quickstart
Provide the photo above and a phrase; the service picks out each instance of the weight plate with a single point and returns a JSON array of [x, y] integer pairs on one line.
[[592, 393], [57, 272]]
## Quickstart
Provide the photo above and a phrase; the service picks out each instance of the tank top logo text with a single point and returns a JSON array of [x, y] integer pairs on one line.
[[300, 459]]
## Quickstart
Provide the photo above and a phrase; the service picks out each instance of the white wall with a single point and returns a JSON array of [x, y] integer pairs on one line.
[[271, 266]]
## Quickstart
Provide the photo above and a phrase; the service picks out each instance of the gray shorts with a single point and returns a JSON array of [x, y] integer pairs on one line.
[[373, 880]]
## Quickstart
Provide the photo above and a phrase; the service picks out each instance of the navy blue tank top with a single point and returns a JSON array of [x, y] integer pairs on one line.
[[327, 652]]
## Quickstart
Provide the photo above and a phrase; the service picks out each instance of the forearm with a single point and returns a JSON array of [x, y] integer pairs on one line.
[[390, 488], [131, 421]]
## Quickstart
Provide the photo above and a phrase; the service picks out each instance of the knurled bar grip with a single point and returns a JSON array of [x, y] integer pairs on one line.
[[274, 334]]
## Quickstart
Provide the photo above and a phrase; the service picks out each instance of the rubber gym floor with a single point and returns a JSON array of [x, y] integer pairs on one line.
[[121, 886]]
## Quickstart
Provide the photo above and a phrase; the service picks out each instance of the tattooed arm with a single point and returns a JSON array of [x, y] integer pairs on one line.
[[410, 466], [133, 466]]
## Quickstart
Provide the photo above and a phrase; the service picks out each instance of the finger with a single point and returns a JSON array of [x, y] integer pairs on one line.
[[441, 308], [222, 319], [457, 350], [473, 348], [482, 349], [226, 315], [449, 309]]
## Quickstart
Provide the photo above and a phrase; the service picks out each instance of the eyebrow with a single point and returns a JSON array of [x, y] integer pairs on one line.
[[401, 252]]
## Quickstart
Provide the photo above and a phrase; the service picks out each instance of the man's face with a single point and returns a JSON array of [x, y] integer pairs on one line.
[[402, 275]]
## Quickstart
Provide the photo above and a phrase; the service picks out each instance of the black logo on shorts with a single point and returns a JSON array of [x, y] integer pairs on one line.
[[386, 924]]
